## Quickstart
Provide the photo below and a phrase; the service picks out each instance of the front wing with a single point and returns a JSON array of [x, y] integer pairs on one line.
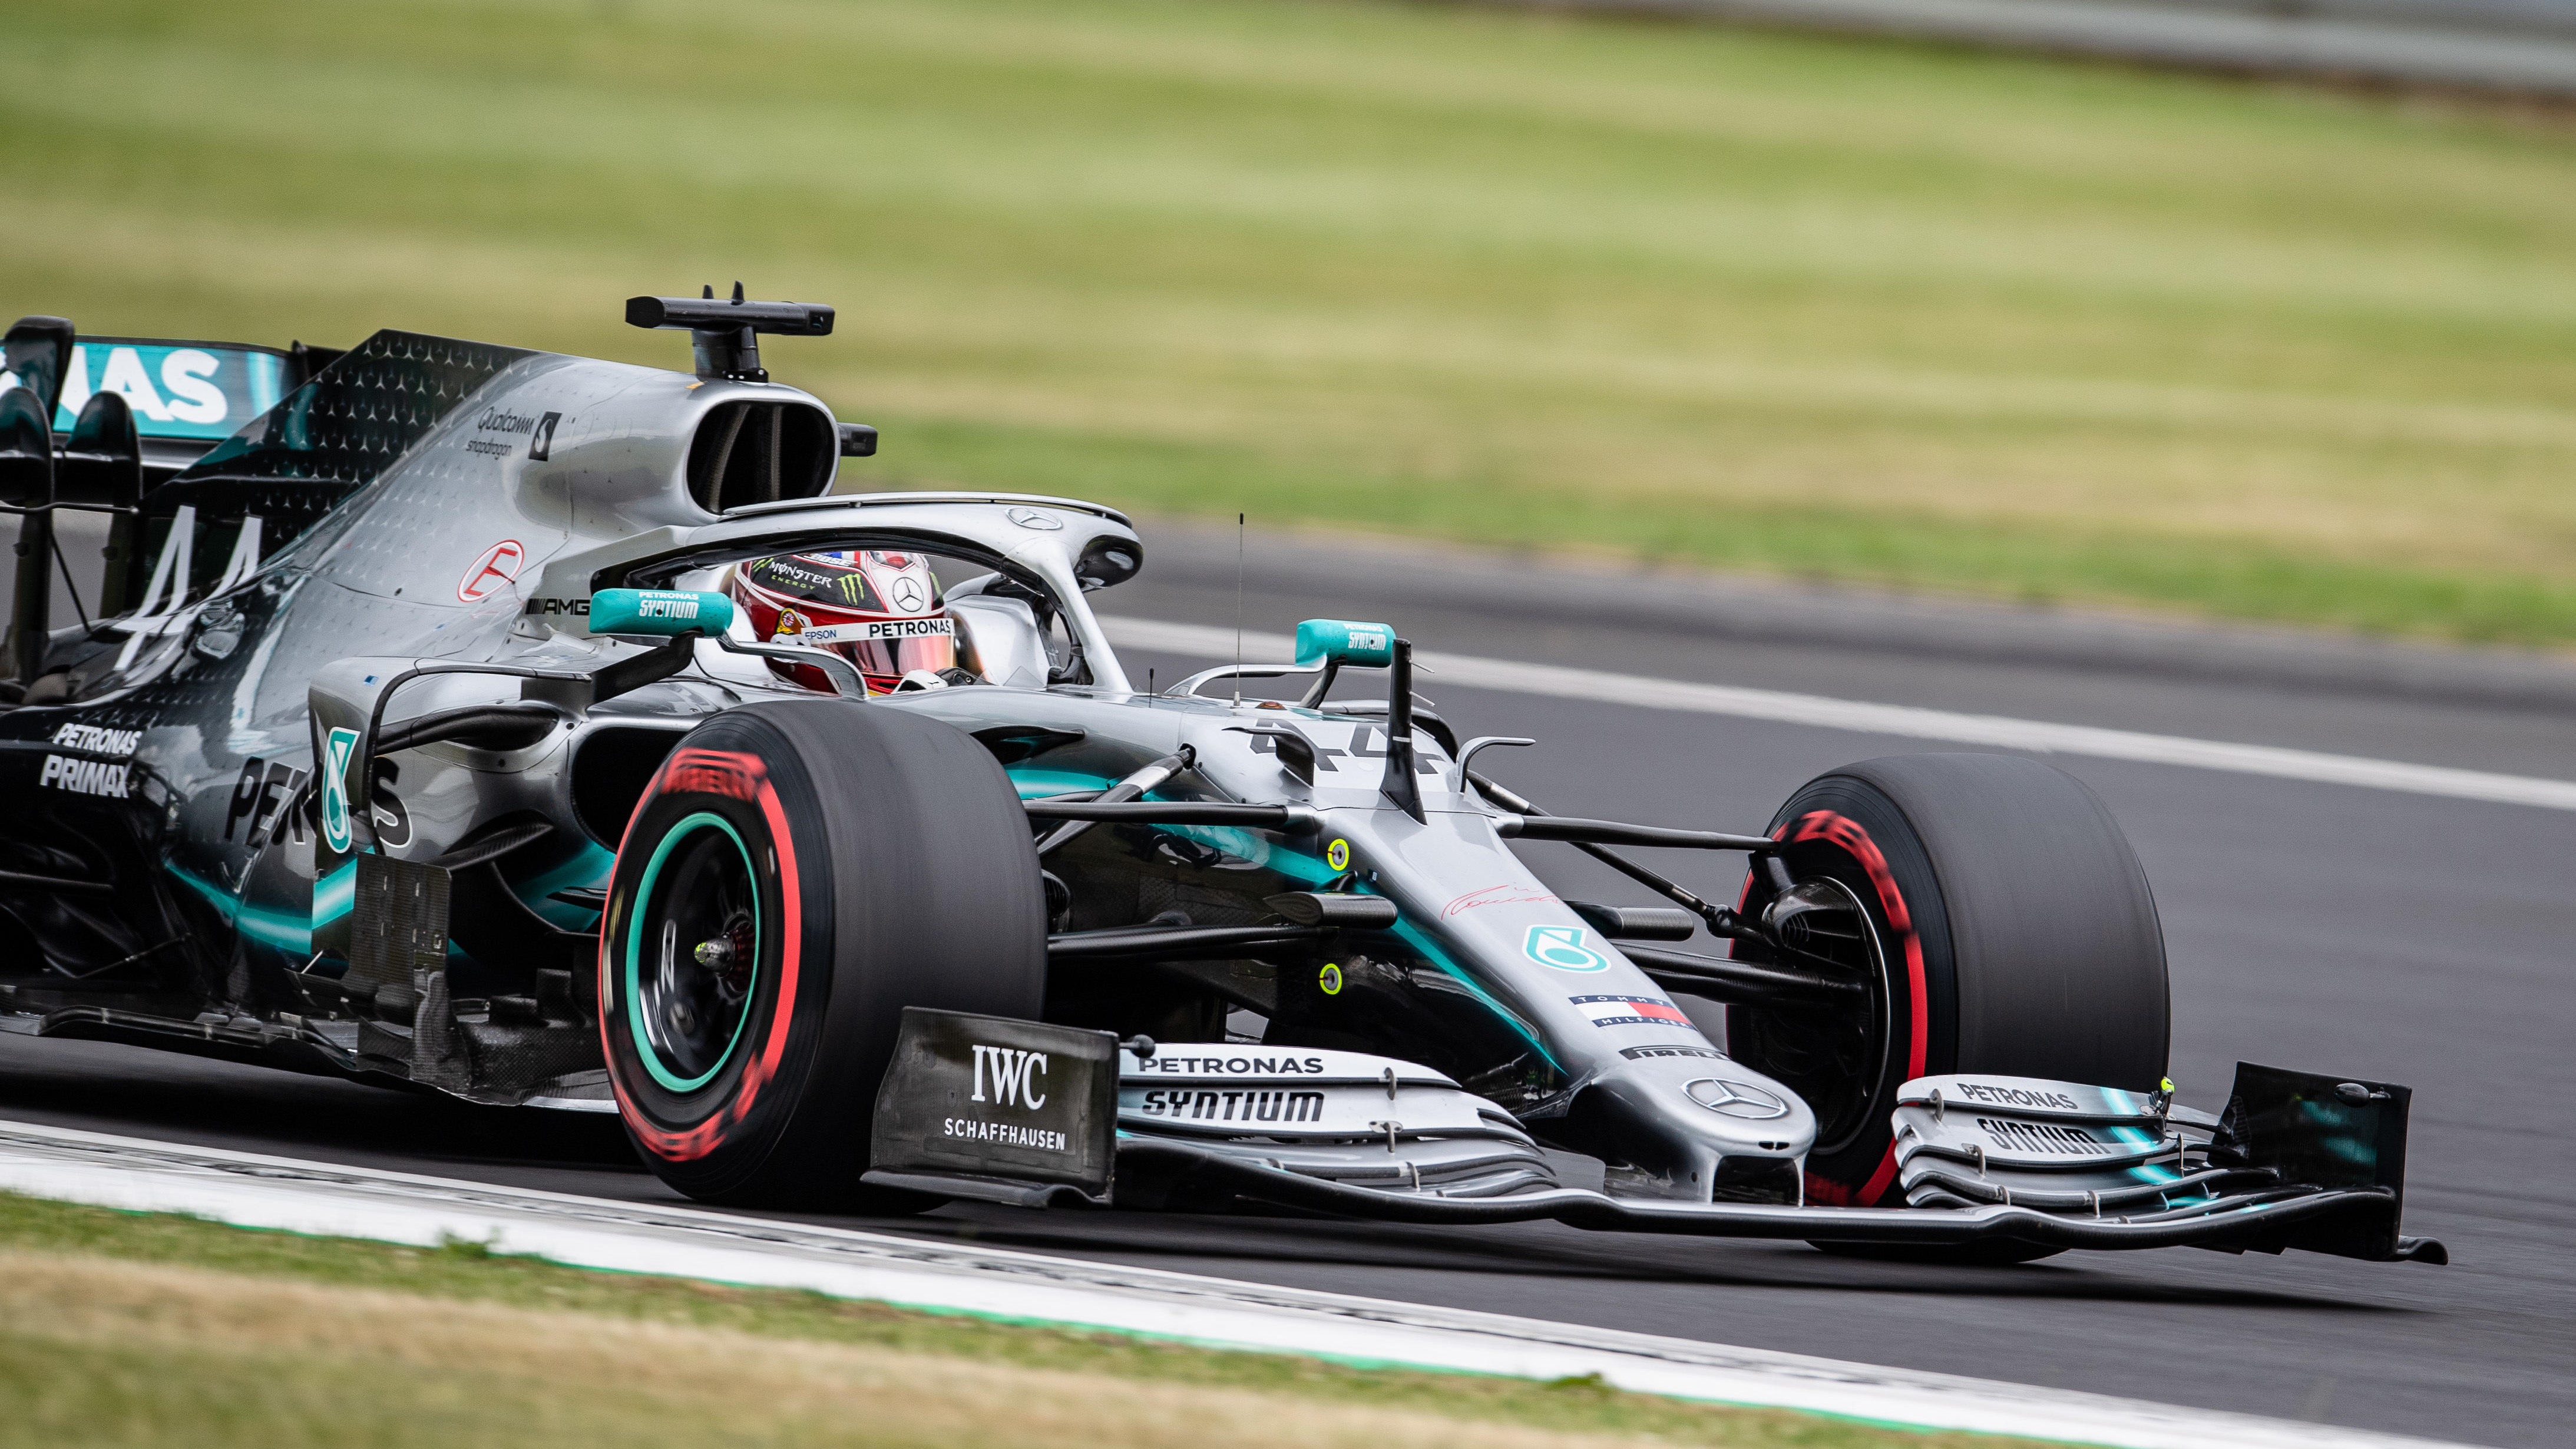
[[1037, 1115]]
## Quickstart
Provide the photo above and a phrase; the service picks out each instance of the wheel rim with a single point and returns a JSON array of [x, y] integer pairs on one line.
[[693, 952], [1836, 1061]]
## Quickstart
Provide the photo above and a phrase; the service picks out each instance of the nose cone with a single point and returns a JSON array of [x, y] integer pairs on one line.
[[1689, 1124]]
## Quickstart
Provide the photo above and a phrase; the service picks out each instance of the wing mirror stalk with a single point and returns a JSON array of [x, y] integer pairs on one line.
[[1398, 785], [1324, 646], [685, 616]]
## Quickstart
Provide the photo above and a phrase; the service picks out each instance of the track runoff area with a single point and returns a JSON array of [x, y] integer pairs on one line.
[[286, 1194], [1902, 721]]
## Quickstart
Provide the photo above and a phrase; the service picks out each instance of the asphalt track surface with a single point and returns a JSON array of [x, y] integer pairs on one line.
[[2320, 926]]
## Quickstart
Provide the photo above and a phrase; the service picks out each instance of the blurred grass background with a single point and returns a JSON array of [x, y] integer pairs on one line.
[[1709, 296]]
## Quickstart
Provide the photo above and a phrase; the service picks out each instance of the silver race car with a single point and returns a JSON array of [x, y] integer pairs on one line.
[[543, 731]]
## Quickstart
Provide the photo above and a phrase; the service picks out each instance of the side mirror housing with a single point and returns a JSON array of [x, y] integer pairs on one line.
[[1345, 641], [666, 612]]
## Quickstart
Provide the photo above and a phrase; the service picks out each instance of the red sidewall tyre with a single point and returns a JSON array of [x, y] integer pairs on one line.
[[891, 866], [2018, 932]]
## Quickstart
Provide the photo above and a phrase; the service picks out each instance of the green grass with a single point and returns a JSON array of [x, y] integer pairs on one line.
[[141, 1330], [1809, 306]]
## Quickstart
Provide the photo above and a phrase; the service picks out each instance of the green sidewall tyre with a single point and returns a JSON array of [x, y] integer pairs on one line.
[[657, 1063]]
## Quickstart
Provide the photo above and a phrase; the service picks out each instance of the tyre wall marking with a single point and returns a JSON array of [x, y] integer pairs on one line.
[[635, 944], [742, 777], [1845, 834]]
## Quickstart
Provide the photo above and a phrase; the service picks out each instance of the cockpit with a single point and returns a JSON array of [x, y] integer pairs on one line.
[[904, 619]]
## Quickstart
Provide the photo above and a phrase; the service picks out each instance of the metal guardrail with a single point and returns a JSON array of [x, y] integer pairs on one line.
[[2523, 47]]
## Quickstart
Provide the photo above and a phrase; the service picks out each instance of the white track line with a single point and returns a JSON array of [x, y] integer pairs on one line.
[[321, 1198], [1996, 731]]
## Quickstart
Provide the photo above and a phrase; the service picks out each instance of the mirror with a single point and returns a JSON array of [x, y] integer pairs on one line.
[[665, 612], [1344, 641]]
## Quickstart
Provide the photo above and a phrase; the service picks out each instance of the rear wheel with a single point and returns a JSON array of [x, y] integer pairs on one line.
[[795, 875], [2013, 933]]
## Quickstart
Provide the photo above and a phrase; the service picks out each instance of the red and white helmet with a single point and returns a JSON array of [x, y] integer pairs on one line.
[[881, 611]]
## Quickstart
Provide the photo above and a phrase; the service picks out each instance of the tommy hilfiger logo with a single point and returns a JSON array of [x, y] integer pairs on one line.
[[1631, 1011]]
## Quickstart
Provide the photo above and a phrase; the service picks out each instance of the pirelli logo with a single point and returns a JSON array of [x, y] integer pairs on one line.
[[1642, 1053]]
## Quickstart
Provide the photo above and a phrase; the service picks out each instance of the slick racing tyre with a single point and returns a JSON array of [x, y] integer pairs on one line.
[[2014, 933], [794, 876]]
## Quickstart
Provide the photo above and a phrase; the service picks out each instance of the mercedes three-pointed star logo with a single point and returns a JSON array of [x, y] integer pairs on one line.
[[1736, 1099]]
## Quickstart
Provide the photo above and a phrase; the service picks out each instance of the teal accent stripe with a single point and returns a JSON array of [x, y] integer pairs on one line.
[[1415, 937], [267, 373], [279, 930], [1297, 866], [2145, 1172], [1311, 870], [335, 895], [589, 868], [635, 952], [1034, 783]]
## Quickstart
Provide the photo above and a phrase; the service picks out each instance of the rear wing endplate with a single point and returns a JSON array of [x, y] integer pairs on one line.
[[180, 391]]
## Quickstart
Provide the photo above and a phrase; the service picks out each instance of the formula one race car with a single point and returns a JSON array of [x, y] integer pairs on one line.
[[537, 730]]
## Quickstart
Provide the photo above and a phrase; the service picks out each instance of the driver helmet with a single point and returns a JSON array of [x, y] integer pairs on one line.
[[881, 611]]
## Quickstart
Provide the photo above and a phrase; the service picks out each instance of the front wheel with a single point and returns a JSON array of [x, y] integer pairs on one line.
[[2010, 931], [794, 876]]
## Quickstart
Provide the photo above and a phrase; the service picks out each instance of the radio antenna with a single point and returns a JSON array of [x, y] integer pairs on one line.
[[1238, 610]]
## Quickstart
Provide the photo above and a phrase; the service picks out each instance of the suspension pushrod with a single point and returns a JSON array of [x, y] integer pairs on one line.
[[1615, 832], [1177, 943], [1133, 787], [1721, 921], [1163, 812], [1740, 983]]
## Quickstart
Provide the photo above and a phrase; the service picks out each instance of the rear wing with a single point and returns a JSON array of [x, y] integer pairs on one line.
[[181, 392], [175, 402]]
